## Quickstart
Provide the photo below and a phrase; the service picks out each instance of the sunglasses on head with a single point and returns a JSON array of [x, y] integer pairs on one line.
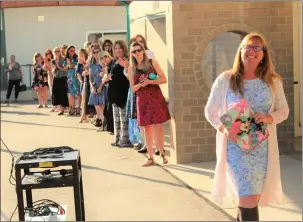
[[135, 51]]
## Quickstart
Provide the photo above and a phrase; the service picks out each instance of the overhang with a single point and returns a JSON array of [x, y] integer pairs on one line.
[[22, 4]]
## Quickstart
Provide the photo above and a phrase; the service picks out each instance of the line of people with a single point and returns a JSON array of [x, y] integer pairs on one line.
[[115, 87]]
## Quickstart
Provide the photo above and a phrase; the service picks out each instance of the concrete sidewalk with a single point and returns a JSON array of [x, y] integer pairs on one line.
[[116, 187], [199, 177]]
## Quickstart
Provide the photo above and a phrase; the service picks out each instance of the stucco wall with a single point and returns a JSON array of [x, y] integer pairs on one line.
[[62, 25]]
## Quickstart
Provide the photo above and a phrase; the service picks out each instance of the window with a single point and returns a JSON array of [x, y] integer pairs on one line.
[[103, 35]]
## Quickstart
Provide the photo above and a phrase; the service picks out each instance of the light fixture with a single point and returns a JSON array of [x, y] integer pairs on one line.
[[40, 18]]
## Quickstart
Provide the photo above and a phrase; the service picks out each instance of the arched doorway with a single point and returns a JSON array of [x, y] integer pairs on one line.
[[219, 55]]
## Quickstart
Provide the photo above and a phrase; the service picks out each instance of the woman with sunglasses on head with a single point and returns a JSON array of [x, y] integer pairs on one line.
[[48, 67], [145, 75], [108, 47], [59, 94], [98, 91]]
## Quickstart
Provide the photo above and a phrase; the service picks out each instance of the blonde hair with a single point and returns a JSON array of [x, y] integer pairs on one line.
[[105, 53], [264, 71], [133, 61]]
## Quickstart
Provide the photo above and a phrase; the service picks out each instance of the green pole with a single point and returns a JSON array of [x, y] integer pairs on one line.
[[127, 22], [3, 50]]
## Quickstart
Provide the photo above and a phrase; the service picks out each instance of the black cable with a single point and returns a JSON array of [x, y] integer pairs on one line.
[[13, 213], [13, 163], [40, 205]]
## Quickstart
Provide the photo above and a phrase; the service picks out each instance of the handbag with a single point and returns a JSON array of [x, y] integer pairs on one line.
[[22, 87], [241, 125]]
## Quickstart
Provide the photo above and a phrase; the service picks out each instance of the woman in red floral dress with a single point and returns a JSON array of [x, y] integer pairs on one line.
[[145, 76]]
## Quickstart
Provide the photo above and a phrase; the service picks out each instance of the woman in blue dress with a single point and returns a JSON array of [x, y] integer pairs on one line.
[[254, 177], [72, 81], [98, 91]]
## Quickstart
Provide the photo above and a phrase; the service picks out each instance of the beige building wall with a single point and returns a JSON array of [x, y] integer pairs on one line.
[[148, 18]]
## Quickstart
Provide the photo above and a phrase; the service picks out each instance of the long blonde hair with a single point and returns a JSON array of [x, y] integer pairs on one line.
[[264, 71], [133, 60]]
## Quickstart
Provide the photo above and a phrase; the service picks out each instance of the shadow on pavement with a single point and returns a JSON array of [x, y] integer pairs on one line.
[[39, 124]]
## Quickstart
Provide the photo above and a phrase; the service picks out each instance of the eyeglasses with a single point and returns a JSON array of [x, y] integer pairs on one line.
[[49, 53], [255, 48], [135, 51]]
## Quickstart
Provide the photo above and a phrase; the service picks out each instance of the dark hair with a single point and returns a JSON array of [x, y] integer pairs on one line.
[[49, 51], [83, 51], [71, 47], [122, 44], [107, 41]]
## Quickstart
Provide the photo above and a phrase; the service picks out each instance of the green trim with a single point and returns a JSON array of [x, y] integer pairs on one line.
[[3, 37], [127, 22]]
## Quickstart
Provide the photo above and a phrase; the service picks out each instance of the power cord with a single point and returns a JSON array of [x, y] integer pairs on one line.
[[42, 207], [36, 209], [11, 177]]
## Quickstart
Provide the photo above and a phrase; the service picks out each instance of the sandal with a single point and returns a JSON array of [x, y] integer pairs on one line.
[[83, 119], [165, 161], [150, 161]]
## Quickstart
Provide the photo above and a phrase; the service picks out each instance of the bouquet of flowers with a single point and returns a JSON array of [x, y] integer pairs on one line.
[[241, 125]]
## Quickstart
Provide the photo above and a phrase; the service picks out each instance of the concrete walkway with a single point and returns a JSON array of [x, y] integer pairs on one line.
[[116, 187]]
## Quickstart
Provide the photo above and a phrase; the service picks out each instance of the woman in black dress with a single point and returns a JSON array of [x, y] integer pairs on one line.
[[108, 123]]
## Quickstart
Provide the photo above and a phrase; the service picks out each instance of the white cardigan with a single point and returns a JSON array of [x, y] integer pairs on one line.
[[216, 107]]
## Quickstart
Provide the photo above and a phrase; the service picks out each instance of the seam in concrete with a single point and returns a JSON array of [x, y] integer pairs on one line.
[[195, 191]]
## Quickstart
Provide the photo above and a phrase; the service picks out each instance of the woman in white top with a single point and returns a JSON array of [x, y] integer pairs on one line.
[[252, 178]]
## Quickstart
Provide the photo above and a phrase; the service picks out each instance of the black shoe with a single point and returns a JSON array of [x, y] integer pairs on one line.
[[143, 150], [248, 214], [130, 145], [98, 123], [138, 146], [115, 144]]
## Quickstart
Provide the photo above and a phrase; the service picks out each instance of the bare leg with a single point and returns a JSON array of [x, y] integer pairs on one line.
[[158, 131], [40, 96], [148, 133]]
